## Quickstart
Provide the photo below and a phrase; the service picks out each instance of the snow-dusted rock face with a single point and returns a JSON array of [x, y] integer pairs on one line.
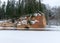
[[35, 14], [1, 21]]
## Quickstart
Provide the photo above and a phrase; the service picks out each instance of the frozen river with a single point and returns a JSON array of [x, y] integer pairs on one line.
[[7, 36]]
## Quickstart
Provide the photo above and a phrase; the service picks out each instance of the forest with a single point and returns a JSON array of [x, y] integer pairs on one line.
[[15, 9]]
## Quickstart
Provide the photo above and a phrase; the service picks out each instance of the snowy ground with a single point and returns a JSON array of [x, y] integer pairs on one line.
[[48, 28], [7, 36], [53, 27]]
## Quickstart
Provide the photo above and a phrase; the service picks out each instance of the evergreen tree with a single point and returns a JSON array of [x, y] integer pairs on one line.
[[10, 8], [19, 8], [40, 8], [3, 10], [30, 6]]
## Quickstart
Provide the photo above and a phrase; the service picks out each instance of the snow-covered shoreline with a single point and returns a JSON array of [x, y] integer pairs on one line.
[[48, 27]]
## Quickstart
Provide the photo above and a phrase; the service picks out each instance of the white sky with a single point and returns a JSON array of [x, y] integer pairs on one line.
[[52, 3]]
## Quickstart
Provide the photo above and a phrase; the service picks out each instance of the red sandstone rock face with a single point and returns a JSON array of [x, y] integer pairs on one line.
[[36, 25], [41, 23]]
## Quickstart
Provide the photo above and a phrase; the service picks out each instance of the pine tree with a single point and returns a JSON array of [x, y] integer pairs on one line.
[[3, 10], [40, 8], [10, 8]]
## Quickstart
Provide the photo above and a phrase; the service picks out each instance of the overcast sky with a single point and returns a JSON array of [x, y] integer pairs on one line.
[[52, 3]]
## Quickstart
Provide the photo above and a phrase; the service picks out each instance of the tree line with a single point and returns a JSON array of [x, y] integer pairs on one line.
[[14, 9]]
